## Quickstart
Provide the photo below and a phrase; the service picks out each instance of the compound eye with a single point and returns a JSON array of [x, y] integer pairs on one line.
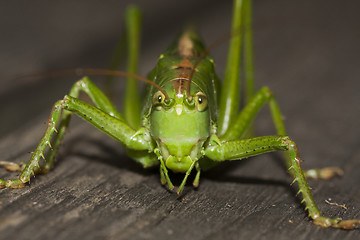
[[201, 101], [158, 98]]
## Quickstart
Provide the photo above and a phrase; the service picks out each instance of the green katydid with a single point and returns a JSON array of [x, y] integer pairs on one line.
[[188, 123]]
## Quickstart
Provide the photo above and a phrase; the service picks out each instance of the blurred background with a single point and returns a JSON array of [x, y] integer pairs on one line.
[[302, 49]]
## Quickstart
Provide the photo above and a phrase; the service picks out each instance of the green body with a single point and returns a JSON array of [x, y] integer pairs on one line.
[[180, 128], [189, 122]]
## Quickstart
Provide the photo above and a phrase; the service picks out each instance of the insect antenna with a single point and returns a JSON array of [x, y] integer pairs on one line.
[[95, 72]]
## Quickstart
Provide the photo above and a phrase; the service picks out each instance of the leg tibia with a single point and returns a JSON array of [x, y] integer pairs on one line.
[[131, 106], [100, 101], [230, 91], [102, 120], [96, 95], [244, 119], [239, 149], [33, 164], [304, 189]]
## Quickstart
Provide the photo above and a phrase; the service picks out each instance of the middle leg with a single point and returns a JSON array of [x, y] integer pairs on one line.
[[246, 117]]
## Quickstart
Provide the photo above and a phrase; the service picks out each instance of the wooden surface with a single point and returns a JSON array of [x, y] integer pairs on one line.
[[307, 53]]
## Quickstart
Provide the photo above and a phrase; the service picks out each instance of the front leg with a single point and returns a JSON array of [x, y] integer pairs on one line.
[[239, 149], [110, 125]]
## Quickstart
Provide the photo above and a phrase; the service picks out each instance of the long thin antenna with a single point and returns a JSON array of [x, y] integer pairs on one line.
[[95, 72]]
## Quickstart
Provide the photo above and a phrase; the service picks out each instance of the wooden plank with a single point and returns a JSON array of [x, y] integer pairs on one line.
[[306, 55]]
